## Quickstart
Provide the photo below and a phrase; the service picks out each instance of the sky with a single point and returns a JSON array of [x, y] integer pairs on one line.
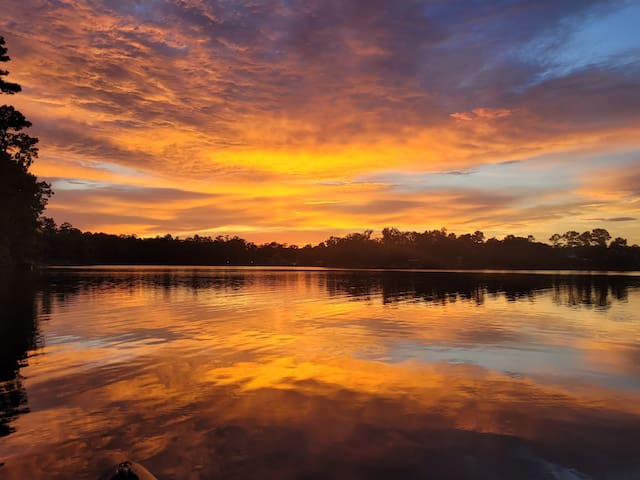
[[295, 120]]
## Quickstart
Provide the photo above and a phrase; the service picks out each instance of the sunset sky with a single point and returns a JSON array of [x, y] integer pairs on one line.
[[296, 120]]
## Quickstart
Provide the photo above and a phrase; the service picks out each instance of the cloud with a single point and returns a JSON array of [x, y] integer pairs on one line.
[[615, 219], [620, 182], [265, 100], [492, 113], [482, 113], [462, 116]]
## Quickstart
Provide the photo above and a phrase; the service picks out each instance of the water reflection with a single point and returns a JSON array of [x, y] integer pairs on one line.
[[18, 336], [391, 286], [210, 373], [443, 287]]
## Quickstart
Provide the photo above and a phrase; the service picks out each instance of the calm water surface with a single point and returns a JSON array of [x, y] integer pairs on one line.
[[244, 373]]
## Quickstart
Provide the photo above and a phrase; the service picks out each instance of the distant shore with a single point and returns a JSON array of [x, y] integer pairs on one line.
[[430, 250], [302, 268]]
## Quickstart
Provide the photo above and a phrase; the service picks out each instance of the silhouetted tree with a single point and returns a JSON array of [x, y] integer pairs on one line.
[[600, 237], [22, 196], [556, 239], [619, 242], [394, 248]]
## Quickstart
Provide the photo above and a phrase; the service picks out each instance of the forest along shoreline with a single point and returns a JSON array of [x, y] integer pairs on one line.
[[431, 249]]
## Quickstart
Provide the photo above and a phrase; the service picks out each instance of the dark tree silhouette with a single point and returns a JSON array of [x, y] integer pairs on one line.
[[66, 245], [22, 197], [19, 334]]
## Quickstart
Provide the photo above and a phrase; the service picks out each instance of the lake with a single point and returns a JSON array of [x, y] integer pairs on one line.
[[246, 373]]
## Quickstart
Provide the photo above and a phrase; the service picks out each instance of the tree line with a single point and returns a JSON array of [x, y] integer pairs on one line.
[[66, 245]]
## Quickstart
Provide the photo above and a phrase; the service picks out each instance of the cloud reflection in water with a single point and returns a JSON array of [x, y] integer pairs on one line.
[[314, 374]]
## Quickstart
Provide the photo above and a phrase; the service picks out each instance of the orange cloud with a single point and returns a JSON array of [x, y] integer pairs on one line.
[[486, 113], [492, 112]]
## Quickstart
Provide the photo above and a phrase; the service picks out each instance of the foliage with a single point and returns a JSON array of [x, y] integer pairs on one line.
[[22, 197], [596, 237], [394, 249]]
